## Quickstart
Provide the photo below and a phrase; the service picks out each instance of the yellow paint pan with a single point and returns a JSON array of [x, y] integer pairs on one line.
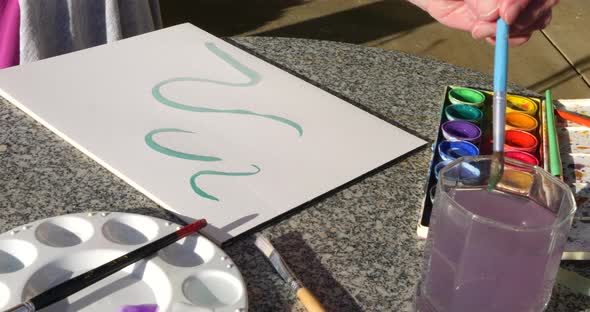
[[517, 103]]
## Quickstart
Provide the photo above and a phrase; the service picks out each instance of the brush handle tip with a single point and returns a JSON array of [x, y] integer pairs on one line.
[[309, 301]]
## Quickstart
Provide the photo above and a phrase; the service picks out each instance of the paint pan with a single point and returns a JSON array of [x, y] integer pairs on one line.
[[521, 121], [459, 130], [463, 112], [466, 96], [523, 157], [192, 274], [451, 150], [518, 140], [517, 103], [439, 166]]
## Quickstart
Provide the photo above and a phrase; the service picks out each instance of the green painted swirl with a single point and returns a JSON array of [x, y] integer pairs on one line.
[[202, 193], [253, 79], [149, 140]]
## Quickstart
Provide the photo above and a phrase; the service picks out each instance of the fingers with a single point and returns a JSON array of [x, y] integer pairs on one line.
[[525, 12], [535, 15], [452, 13], [541, 23], [513, 41], [485, 10], [511, 9], [519, 40], [483, 30]]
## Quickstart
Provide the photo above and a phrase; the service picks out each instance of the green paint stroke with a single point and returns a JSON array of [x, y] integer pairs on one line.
[[149, 140], [201, 193], [253, 79]]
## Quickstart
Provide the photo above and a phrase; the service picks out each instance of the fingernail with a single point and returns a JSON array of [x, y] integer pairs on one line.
[[512, 13], [483, 31], [486, 8]]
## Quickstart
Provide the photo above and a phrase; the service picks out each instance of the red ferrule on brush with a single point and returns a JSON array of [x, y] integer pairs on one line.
[[191, 228]]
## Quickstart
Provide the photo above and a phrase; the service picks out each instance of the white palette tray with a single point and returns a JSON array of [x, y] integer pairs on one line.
[[574, 143], [192, 274]]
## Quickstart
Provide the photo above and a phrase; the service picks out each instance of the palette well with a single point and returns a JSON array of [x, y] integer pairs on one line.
[[192, 274]]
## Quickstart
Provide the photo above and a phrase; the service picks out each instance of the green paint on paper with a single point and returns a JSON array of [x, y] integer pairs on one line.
[[202, 193], [253, 79], [149, 140]]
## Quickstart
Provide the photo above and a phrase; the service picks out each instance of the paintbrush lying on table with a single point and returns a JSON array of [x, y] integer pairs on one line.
[[95, 275], [308, 300]]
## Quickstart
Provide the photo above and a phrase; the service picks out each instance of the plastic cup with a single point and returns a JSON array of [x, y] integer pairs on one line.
[[439, 166], [497, 250]]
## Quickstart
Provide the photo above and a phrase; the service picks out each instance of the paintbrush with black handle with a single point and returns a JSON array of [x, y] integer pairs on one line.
[[93, 276]]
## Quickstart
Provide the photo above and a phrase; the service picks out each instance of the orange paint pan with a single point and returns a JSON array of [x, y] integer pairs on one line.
[[521, 121]]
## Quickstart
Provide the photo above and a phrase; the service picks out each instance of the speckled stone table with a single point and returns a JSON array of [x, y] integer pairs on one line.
[[356, 249]]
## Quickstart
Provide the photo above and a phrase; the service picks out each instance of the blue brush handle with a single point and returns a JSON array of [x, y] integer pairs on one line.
[[501, 56], [500, 73]]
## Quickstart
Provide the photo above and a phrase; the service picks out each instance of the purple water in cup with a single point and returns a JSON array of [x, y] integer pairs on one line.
[[460, 130], [494, 251]]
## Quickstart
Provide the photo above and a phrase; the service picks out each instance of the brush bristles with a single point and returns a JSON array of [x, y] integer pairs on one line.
[[264, 245]]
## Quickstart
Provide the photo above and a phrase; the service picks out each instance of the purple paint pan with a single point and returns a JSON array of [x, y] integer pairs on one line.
[[460, 130]]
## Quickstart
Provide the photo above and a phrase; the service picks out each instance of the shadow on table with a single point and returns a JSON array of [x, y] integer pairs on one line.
[[562, 76], [306, 265], [359, 25], [224, 17]]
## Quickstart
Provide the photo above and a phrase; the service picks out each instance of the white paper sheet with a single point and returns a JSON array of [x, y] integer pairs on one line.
[[202, 127]]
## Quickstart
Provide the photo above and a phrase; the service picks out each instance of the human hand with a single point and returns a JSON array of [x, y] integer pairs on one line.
[[479, 16]]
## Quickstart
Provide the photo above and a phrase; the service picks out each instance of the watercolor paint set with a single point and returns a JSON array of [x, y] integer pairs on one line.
[[465, 129], [192, 274]]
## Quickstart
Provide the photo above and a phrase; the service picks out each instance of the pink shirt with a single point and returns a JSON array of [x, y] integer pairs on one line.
[[9, 33]]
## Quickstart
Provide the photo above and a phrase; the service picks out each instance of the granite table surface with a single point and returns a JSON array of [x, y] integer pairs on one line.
[[356, 248]]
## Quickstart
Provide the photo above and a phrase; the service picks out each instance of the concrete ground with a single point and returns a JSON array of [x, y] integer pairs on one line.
[[557, 58]]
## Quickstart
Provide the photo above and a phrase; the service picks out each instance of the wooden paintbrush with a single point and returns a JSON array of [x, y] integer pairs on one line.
[[305, 296], [93, 276]]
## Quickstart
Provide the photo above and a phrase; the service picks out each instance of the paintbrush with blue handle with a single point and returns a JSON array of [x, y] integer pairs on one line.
[[499, 108]]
